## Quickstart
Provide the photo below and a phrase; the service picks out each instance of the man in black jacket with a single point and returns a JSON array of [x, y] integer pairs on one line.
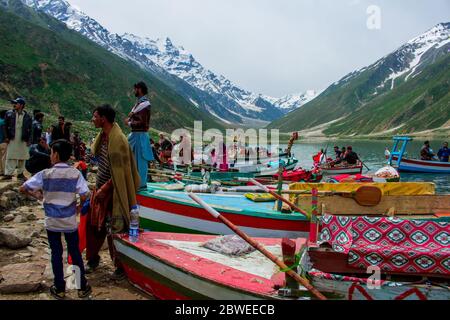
[[61, 130], [18, 125], [37, 127], [39, 157]]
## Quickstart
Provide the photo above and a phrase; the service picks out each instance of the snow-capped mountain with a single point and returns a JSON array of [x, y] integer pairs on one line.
[[404, 90], [407, 61], [209, 91], [293, 101]]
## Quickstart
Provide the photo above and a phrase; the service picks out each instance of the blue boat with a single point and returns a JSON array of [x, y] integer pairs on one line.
[[403, 164]]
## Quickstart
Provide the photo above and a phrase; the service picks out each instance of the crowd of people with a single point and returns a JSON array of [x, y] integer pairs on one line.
[[427, 154], [343, 156], [56, 160], [25, 145]]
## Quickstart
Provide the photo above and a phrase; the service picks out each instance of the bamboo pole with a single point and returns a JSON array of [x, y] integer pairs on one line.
[[304, 282], [263, 187]]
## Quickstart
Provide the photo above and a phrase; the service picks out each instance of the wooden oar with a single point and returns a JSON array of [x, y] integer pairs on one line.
[[364, 165], [276, 195], [366, 196], [304, 282]]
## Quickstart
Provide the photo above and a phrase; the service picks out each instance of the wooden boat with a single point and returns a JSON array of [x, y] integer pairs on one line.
[[338, 169], [357, 288], [406, 199], [171, 211], [421, 166], [177, 267], [300, 174], [411, 258], [404, 164]]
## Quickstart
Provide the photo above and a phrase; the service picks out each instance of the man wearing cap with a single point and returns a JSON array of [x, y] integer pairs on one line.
[[18, 125], [139, 122]]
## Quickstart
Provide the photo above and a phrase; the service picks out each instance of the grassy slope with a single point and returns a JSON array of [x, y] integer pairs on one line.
[[59, 71], [421, 103]]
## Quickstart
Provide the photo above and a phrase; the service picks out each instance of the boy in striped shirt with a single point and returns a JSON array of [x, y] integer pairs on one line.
[[58, 186]]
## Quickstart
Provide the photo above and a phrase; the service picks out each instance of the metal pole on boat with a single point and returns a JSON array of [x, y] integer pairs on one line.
[[304, 282], [276, 195]]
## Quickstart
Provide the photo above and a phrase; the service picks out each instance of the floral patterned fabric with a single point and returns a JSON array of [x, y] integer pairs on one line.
[[392, 244]]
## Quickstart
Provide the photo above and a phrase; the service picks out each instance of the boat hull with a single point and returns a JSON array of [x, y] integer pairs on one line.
[[351, 288], [168, 214], [168, 273], [341, 170], [421, 166]]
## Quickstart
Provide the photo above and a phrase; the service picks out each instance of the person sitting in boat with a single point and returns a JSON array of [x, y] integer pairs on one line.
[[426, 153], [318, 158], [166, 148], [338, 154], [444, 153], [350, 156]]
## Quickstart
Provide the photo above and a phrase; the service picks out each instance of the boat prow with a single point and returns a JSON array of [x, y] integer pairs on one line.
[[178, 267]]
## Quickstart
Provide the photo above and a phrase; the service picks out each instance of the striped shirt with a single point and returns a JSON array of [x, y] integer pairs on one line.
[[60, 185], [104, 172]]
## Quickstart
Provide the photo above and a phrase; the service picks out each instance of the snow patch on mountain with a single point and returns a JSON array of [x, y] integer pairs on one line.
[[161, 55], [293, 101], [408, 58]]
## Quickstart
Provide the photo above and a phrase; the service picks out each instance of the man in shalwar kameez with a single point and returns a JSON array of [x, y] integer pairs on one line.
[[18, 127], [139, 122]]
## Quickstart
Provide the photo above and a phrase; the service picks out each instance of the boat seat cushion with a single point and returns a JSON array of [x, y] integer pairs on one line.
[[392, 244]]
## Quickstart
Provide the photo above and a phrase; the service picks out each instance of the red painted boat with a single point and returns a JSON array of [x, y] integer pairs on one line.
[[329, 169], [301, 175], [177, 267]]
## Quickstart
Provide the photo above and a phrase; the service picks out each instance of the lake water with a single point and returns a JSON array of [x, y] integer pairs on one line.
[[372, 153]]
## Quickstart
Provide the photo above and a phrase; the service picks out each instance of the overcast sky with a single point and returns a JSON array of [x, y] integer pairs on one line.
[[274, 47]]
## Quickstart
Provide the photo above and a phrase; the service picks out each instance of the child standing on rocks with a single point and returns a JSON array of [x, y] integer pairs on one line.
[[59, 186]]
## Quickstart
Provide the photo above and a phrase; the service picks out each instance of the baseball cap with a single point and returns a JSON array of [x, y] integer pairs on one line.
[[19, 100]]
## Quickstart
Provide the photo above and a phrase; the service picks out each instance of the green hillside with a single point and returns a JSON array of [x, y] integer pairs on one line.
[[419, 104], [61, 72], [368, 101]]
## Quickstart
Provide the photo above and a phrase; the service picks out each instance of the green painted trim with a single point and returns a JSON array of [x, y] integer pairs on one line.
[[269, 215], [162, 279], [152, 225], [143, 268]]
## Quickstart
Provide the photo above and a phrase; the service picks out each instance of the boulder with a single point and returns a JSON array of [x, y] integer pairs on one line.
[[31, 217], [21, 278], [19, 219], [10, 194], [13, 238], [4, 202], [8, 217]]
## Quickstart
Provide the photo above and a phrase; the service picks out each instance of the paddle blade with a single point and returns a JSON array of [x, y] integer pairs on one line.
[[368, 196]]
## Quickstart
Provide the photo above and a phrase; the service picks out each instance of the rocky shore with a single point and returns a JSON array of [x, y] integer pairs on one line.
[[25, 269]]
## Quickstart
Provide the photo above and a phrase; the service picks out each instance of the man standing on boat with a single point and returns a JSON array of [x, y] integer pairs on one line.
[[116, 186], [139, 122], [426, 153], [444, 153]]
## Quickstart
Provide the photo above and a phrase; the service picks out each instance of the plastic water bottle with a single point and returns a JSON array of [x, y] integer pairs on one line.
[[134, 224]]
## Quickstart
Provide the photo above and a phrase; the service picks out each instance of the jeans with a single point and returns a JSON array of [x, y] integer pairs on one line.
[[54, 240]]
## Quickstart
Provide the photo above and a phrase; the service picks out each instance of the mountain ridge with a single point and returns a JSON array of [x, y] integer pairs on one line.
[[214, 93], [351, 101]]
